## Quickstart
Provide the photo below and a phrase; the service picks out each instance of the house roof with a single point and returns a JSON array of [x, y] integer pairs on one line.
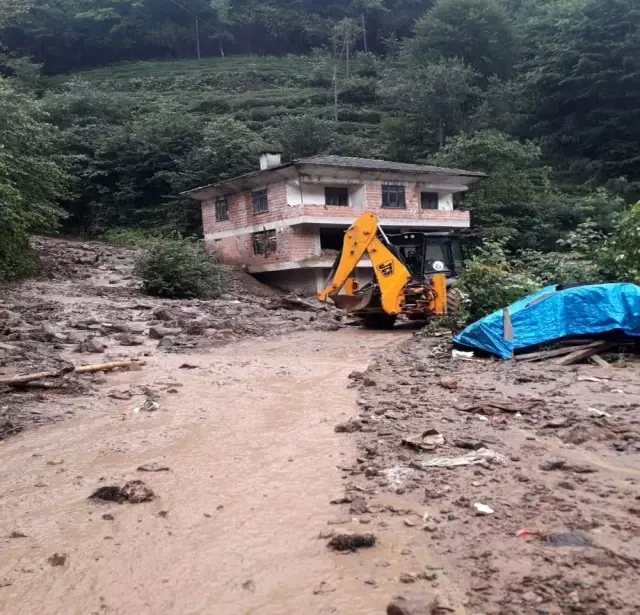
[[248, 180]]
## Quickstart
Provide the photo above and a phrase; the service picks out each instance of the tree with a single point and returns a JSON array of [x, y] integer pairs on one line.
[[582, 74], [304, 135], [514, 203], [31, 181], [478, 32]]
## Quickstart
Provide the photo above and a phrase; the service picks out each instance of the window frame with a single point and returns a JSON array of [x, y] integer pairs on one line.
[[431, 193], [267, 246], [222, 201], [400, 194], [339, 192], [260, 201]]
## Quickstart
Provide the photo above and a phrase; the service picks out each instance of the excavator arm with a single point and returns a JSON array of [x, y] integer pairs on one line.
[[365, 237]]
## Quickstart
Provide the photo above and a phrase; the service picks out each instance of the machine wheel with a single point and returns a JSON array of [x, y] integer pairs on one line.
[[454, 301], [378, 321]]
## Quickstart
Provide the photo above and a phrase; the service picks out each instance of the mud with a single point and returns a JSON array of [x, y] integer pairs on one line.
[[87, 307], [563, 475]]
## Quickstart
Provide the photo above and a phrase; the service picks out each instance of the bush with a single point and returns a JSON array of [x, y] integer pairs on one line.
[[490, 283], [130, 237], [179, 269], [619, 258]]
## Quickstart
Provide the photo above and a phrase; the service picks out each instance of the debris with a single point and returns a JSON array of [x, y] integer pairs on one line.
[[126, 339], [249, 586], [108, 517], [559, 422], [589, 379], [57, 559], [16, 534], [137, 492], [584, 353], [148, 406], [158, 333], [152, 467], [91, 346], [557, 463], [110, 493], [348, 427], [461, 354], [526, 533], [291, 302], [428, 440], [351, 542], [407, 578], [412, 604], [166, 313], [600, 414], [84, 369], [359, 506], [493, 407], [483, 509], [598, 360], [448, 383], [188, 366], [575, 538], [481, 456], [576, 435], [543, 355], [471, 445]]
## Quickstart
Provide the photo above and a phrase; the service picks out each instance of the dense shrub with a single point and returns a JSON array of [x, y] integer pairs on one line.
[[490, 282], [619, 258], [179, 269]]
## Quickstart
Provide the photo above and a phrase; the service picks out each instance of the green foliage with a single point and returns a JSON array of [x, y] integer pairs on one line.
[[31, 180], [619, 258], [130, 237], [479, 32], [303, 136], [490, 282], [179, 269]]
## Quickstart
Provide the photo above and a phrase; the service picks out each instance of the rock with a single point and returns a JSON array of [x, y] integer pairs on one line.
[[108, 517], [351, 542], [50, 334], [368, 382], [91, 345], [157, 333], [471, 445], [166, 313], [57, 559], [412, 604], [407, 578], [348, 427], [558, 422], [430, 527], [578, 434], [126, 339], [356, 376], [448, 383], [167, 342], [111, 493], [137, 492], [359, 506]]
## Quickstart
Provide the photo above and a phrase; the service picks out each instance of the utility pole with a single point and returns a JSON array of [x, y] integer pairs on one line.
[[364, 34], [335, 93], [198, 37]]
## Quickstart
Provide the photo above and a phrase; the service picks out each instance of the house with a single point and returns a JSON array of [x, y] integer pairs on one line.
[[285, 222]]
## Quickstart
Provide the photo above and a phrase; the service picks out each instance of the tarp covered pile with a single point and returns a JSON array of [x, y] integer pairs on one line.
[[552, 314]]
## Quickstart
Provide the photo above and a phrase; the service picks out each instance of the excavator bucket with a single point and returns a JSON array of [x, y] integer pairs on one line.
[[353, 303]]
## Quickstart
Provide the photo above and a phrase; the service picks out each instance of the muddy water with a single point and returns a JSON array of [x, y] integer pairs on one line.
[[249, 440]]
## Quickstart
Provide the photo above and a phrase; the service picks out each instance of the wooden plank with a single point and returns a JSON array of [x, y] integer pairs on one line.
[[555, 352], [598, 360], [580, 355]]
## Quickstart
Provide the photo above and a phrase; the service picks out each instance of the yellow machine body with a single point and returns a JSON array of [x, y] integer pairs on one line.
[[393, 292]]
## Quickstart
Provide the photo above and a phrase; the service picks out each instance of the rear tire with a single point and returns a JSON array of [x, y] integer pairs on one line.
[[454, 301], [378, 321]]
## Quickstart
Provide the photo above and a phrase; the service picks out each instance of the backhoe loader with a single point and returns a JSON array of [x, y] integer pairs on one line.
[[402, 285]]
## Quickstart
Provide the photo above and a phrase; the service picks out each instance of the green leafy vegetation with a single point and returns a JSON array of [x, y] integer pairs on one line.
[[179, 269], [122, 99]]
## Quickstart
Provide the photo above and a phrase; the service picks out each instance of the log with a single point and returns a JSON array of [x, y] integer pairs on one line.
[[578, 355], [84, 369], [598, 360]]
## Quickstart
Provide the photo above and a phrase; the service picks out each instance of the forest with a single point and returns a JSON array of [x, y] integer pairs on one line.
[[110, 108]]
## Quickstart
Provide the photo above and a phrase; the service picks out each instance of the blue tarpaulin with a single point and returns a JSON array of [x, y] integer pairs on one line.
[[552, 314]]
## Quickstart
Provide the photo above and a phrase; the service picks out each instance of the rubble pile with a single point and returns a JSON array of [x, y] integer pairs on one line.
[[522, 477], [86, 307]]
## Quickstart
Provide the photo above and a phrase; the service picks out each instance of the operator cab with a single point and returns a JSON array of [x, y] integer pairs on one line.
[[427, 253]]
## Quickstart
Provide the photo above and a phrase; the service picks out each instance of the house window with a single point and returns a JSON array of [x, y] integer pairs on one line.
[[222, 210], [393, 197], [429, 200], [260, 201], [264, 242], [336, 196]]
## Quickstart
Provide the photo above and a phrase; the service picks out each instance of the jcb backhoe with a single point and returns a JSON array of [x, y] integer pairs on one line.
[[398, 288]]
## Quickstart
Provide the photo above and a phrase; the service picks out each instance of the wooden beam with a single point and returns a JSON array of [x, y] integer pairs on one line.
[[585, 353]]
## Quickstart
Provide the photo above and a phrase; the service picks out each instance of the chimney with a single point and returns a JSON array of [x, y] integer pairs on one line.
[[270, 159]]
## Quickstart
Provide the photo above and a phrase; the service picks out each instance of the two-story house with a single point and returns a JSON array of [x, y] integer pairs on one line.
[[285, 222]]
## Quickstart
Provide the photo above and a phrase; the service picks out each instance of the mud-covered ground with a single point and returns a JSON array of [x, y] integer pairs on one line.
[[558, 472], [86, 307]]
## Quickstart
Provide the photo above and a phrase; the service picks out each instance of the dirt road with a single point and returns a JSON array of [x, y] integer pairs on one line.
[[248, 437]]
